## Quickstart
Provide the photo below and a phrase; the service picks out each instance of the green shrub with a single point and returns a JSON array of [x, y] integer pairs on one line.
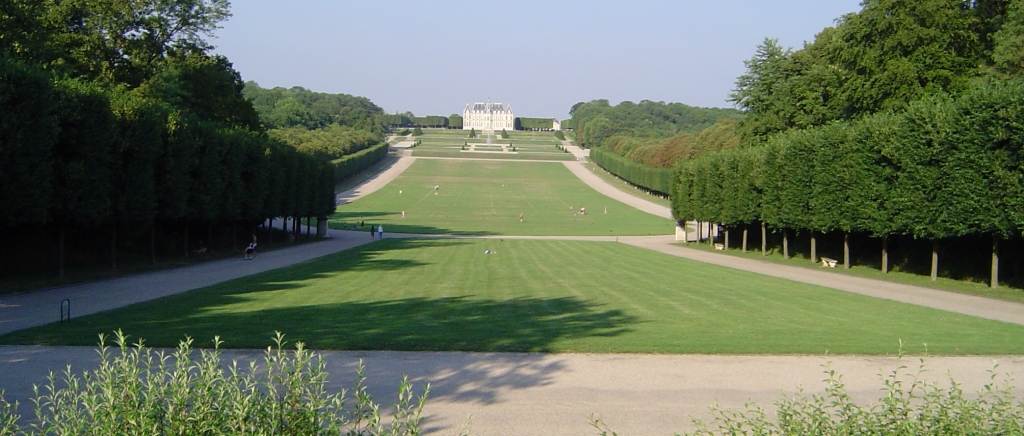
[[472, 133], [417, 132], [138, 391], [404, 132], [559, 135], [504, 134]]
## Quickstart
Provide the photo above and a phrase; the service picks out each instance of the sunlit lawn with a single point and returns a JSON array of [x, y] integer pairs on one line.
[[483, 197], [561, 296]]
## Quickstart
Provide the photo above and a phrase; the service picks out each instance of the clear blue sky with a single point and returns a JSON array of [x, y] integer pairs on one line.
[[432, 57]]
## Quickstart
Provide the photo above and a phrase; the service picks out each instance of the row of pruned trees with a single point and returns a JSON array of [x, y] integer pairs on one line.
[[77, 155], [943, 168]]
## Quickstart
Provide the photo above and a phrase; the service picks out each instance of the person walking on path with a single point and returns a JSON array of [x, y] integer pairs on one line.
[[380, 231], [373, 231]]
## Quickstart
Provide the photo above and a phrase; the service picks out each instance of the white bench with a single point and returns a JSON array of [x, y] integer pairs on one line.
[[829, 262], [719, 246]]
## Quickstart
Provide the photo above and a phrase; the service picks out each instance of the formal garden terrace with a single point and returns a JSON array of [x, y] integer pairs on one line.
[[453, 143]]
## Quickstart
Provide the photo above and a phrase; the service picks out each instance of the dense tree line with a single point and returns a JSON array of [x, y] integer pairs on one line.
[[522, 123], [328, 126], [597, 121], [281, 108], [903, 121], [117, 118], [657, 181], [651, 136]]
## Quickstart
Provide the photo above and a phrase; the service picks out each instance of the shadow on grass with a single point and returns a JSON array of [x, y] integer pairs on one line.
[[247, 311]]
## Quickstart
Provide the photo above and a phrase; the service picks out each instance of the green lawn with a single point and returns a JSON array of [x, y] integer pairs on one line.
[[560, 296], [868, 271], [484, 197]]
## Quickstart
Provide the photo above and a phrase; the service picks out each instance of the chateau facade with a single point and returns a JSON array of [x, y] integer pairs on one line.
[[488, 116]]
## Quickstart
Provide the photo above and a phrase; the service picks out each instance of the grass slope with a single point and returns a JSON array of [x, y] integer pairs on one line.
[[483, 197], [562, 296]]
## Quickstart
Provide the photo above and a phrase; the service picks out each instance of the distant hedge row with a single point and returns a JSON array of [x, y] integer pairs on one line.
[[944, 168], [658, 180], [522, 123], [356, 162]]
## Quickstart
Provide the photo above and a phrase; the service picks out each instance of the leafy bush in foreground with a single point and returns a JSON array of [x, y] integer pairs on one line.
[[909, 407], [138, 391]]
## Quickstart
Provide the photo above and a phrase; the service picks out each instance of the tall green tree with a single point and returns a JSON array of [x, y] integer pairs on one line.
[[28, 132], [893, 52], [82, 159]]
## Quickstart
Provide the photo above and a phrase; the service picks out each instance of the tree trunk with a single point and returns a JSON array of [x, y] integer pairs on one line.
[[700, 232], [885, 254], [744, 238], [186, 240], [785, 244], [113, 247], [270, 235], [309, 222], [152, 244], [846, 250], [935, 259], [995, 262], [726, 241], [764, 240], [814, 248], [60, 252]]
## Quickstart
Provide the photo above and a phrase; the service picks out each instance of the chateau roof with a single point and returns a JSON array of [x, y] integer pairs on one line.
[[490, 107]]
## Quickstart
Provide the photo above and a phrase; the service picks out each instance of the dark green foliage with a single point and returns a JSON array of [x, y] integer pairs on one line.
[[141, 125], [1008, 42], [454, 121], [280, 108], [328, 143], [944, 168], [522, 123], [356, 162], [658, 180], [560, 135], [430, 121], [417, 132], [504, 134], [207, 86], [28, 131], [595, 121], [887, 55], [83, 155], [472, 133]]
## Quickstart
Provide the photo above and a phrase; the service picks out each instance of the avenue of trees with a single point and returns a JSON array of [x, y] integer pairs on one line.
[[119, 122], [904, 122], [640, 143]]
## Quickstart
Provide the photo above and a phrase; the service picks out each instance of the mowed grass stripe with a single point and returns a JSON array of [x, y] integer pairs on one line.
[[484, 197], [561, 296]]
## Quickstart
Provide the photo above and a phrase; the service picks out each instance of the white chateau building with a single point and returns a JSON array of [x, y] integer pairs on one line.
[[488, 116]]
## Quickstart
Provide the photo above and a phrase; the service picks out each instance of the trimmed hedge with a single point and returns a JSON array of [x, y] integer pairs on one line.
[[356, 162], [658, 180]]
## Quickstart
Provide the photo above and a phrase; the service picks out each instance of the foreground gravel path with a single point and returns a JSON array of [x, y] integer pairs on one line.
[[545, 394]]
